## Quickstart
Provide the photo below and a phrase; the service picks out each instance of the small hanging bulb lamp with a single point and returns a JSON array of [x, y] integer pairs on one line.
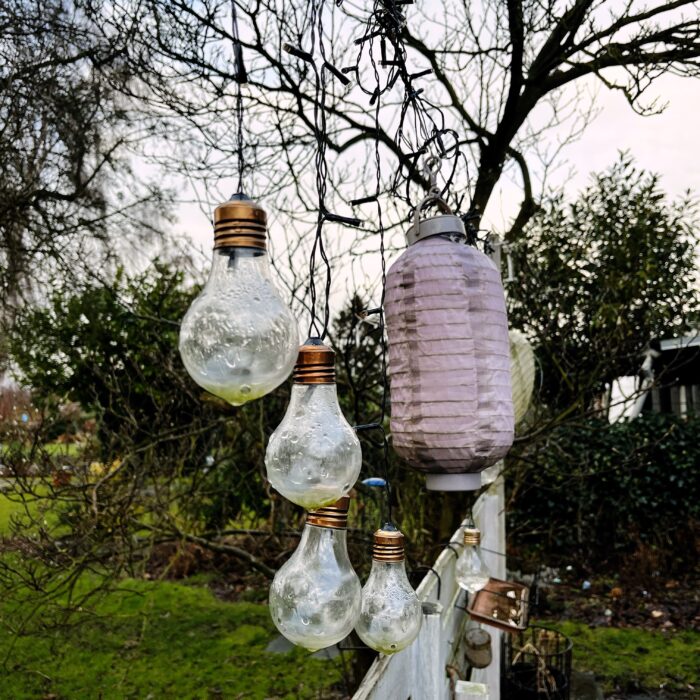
[[470, 570], [315, 596], [449, 358], [391, 614], [238, 339], [314, 457]]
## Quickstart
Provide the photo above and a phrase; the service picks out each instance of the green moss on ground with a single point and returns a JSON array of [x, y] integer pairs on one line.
[[627, 658], [159, 640]]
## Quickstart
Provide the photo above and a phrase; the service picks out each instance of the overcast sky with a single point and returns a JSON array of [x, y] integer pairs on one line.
[[668, 144]]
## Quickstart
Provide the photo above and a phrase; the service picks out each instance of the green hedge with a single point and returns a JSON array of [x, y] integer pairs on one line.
[[599, 494]]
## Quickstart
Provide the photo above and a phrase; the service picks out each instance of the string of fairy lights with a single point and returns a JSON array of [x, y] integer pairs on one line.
[[239, 341]]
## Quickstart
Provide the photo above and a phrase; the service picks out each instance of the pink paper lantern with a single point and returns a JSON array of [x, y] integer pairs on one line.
[[449, 357]]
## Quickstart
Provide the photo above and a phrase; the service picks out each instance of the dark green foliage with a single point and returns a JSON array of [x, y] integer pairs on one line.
[[113, 349], [600, 278], [596, 493]]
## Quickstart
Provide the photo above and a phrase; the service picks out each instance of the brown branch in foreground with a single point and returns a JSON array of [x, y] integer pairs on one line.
[[215, 546]]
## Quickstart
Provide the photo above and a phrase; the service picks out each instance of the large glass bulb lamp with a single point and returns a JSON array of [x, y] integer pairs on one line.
[[391, 614], [470, 570], [315, 596], [314, 457], [239, 339]]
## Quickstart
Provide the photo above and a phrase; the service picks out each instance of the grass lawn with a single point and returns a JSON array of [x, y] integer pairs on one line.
[[160, 640], [629, 658], [8, 509], [12, 507]]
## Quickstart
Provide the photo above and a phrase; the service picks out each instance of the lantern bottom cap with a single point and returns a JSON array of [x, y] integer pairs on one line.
[[453, 482]]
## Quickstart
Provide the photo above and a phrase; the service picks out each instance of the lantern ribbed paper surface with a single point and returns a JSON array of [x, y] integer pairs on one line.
[[449, 360], [522, 373]]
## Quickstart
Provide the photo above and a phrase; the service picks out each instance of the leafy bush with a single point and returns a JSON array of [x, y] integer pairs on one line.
[[601, 493], [600, 277]]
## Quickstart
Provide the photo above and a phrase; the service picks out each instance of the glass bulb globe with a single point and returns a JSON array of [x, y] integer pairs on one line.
[[315, 596], [470, 570], [238, 339], [314, 456], [391, 614]]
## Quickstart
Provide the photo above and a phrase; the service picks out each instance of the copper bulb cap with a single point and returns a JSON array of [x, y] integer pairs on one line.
[[315, 363], [335, 516], [388, 546], [240, 223], [472, 536]]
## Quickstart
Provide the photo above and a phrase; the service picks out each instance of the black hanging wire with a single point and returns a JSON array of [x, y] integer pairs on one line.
[[421, 131], [382, 330], [241, 79], [320, 131], [321, 136], [379, 424], [421, 134]]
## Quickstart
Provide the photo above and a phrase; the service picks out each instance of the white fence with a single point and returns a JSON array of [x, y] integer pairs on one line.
[[433, 667]]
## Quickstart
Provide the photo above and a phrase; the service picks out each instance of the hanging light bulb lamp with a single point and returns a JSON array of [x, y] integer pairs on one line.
[[239, 339], [315, 596], [391, 614], [449, 359], [314, 457], [470, 571]]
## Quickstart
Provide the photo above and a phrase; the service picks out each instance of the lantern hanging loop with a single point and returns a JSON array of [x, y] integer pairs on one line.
[[446, 223], [431, 169]]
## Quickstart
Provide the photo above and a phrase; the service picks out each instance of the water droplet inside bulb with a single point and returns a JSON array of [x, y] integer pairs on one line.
[[245, 389], [304, 620], [392, 646]]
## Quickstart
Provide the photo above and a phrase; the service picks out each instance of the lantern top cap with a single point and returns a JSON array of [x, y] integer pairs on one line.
[[446, 223]]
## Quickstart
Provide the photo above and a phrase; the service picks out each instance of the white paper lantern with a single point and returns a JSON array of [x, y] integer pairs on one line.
[[522, 373], [449, 357]]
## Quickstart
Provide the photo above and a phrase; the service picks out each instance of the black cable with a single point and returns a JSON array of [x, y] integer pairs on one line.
[[382, 332], [421, 133], [422, 130], [241, 79], [320, 134]]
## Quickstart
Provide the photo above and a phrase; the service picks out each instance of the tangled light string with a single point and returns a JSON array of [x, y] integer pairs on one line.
[[421, 130]]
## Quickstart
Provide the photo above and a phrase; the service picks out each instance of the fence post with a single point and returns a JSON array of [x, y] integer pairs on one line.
[[490, 517]]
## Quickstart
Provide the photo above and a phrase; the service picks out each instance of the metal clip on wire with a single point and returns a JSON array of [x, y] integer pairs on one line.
[[507, 248]]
